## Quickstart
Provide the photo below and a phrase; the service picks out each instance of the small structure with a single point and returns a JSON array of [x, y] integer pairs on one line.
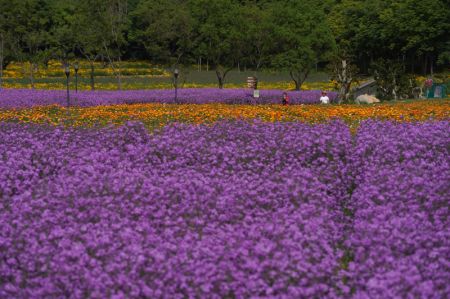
[[252, 82], [437, 91], [368, 87]]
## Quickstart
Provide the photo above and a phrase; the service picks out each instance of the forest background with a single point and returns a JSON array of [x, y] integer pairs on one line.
[[297, 37]]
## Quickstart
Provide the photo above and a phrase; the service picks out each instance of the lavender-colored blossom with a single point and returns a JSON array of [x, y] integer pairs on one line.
[[19, 98], [401, 233], [235, 209]]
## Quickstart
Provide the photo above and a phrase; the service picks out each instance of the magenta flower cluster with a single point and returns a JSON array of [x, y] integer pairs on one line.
[[231, 210], [19, 98]]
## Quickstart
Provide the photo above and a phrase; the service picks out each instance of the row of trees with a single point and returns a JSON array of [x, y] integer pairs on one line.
[[292, 35]]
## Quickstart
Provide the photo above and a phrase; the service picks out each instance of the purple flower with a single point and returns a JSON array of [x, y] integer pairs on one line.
[[234, 209], [19, 98]]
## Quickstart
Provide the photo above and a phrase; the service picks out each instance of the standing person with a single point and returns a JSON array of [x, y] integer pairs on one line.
[[285, 99], [324, 99]]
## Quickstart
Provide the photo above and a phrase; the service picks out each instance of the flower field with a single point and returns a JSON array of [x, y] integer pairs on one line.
[[151, 82], [220, 200], [19, 98], [401, 227], [55, 69], [158, 115], [234, 209], [137, 75], [212, 149]]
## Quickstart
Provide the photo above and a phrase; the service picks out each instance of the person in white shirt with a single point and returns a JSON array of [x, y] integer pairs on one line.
[[324, 99]]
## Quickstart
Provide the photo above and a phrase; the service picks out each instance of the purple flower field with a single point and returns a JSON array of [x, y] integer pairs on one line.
[[20, 98], [401, 237], [232, 210]]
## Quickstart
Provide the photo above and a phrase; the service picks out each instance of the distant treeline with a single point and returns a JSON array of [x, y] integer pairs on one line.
[[290, 35]]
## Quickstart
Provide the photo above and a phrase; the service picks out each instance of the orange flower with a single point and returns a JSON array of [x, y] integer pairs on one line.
[[162, 114]]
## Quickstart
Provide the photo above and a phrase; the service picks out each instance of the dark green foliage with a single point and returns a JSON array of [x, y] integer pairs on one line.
[[392, 81], [412, 31], [302, 37], [294, 35]]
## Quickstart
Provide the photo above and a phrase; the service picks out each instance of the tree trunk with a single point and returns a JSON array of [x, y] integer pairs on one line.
[[431, 66], [425, 64], [299, 77], [1, 61], [92, 75], [258, 65], [119, 79], [394, 89], [364, 63], [119, 74], [220, 78], [221, 75], [342, 94], [32, 75], [296, 81], [115, 68], [344, 78], [104, 62], [404, 63], [1, 71]]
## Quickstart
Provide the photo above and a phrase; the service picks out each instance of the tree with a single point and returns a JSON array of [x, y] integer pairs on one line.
[[26, 26], [418, 29], [344, 73], [258, 37], [3, 42], [409, 31], [2, 56], [36, 37], [116, 20], [164, 29], [219, 35], [63, 30], [89, 29], [392, 81], [302, 40]]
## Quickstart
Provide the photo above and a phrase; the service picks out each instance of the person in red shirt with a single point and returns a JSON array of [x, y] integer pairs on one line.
[[285, 99]]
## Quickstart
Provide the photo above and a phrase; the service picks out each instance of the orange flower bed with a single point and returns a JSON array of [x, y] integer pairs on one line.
[[162, 114]]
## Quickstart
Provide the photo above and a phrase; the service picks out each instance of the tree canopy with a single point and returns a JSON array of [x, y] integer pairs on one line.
[[285, 34]]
